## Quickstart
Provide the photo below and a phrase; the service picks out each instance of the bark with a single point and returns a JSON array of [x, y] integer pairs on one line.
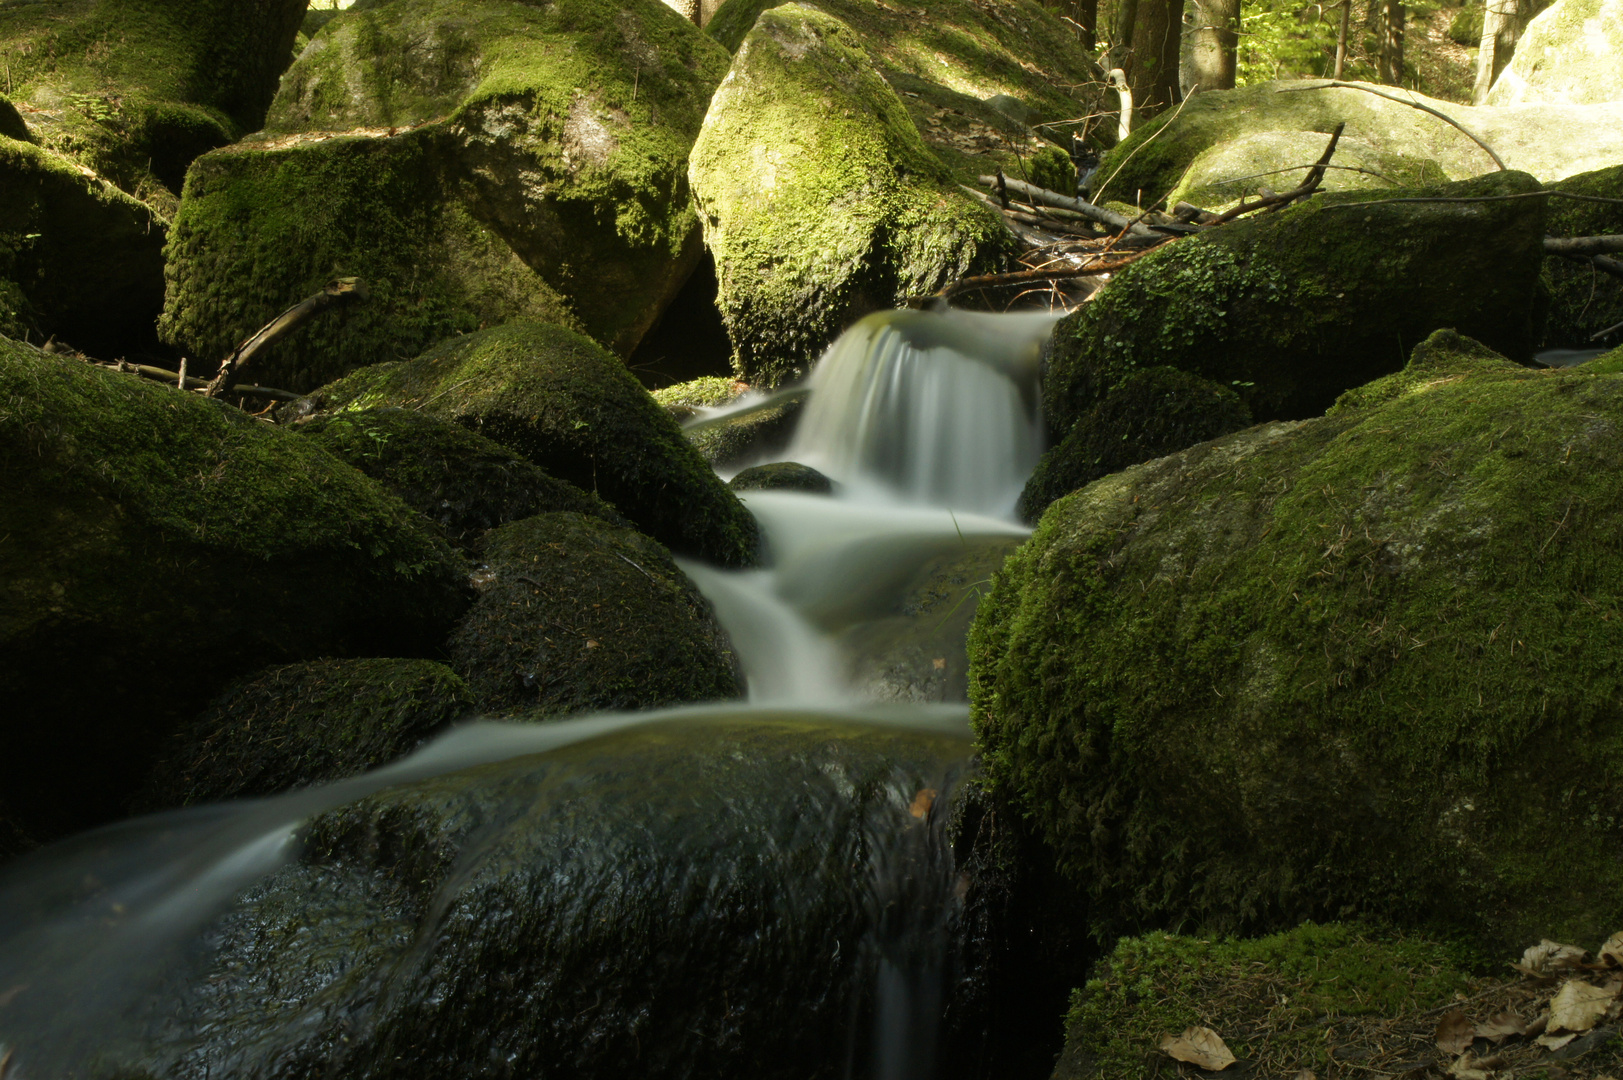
[[1214, 39], [1121, 35], [1390, 61], [1501, 26], [1341, 39], [1153, 71]]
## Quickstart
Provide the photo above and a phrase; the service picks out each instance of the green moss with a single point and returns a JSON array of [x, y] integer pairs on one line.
[[1293, 308], [848, 211], [303, 724], [461, 480], [1583, 300], [579, 615], [753, 433], [1152, 413], [559, 399], [1220, 175], [1363, 665], [1270, 997], [782, 476], [702, 393], [1052, 168]]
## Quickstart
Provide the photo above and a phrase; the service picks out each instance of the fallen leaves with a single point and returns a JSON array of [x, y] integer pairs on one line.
[[1579, 1006], [1455, 1032], [1200, 1046]]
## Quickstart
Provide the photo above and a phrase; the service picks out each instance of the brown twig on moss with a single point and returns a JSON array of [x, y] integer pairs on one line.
[[1020, 277], [1308, 186], [336, 294]]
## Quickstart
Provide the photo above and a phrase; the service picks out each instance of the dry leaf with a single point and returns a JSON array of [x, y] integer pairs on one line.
[[1578, 1006], [1555, 1042], [1466, 1068], [1497, 1027], [1199, 1046], [1548, 957], [1454, 1032], [1306, 1074], [1611, 953], [922, 802]]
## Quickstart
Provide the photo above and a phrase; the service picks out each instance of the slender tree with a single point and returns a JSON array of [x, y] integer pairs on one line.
[[1152, 71], [1214, 39], [1501, 27], [1389, 62]]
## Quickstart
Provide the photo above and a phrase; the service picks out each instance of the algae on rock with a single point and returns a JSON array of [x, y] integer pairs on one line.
[[820, 202], [160, 544], [577, 615], [1293, 308], [570, 407], [1362, 665], [473, 162], [303, 724]]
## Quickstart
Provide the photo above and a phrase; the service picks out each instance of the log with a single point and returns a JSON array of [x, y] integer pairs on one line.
[[1042, 196], [1582, 246]]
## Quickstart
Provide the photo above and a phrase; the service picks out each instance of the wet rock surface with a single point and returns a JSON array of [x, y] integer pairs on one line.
[[782, 476], [749, 434]]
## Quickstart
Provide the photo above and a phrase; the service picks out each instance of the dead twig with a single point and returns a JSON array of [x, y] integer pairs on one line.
[[1608, 330], [1444, 117], [1582, 247], [336, 294], [1042, 196], [1315, 177], [1020, 277]]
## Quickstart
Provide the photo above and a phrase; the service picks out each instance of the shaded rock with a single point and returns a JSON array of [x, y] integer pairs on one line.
[[1570, 53], [1225, 171], [563, 402], [159, 545], [916, 652], [847, 212], [576, 614], [1550, 141], [782, 476], [588, 908], [1583, 301], [461, 480], [1293, 308], [13, 840], [135, 89], [1151, 414], [79, 259], [303, 724], [470, 173], [749, 434], [1303, 671]]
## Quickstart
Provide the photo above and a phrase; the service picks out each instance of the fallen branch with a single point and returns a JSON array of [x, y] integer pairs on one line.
[[1582, 246], [1057, 225], [1308, 186], [1445, 118], [1022, 277], [1042, 196], [337, 294], [1608, 264], [184, 381], [1293, 168], [1605, 332]]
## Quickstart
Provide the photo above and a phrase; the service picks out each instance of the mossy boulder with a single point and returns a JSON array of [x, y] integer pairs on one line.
[[473, 162], [466, 483], [585, 910], [1571, 52], [1357, 666], [1273, 998], [1153, 413], [79, 259], [158, 545], [820, 201], [135, 89], [1224, 172], [576, 614], [684, 400], [1293, 308], [572, 408], [298, 725], [1583, 301], [1550, 141], [749, 434], [782, 476]]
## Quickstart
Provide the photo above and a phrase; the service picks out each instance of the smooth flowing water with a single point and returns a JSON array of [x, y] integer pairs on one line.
[[929, 423]]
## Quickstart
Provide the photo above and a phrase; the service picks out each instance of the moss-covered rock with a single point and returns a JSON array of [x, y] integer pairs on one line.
[[461, 480], [782, 476], [1224, 172], [1152, 413], [684, 400], [585, 910], [1293, 308], [1363, 665], [1571, 52], [135, 89], [1274, 998], [749, 434], [157, 545], [473, 162], [1583, 301], [820, 201], [79, 259], [1550, 141], [570, 407], [576, 614], [302, 724]]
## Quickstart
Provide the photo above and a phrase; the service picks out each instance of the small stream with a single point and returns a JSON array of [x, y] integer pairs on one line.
[[152, 947]]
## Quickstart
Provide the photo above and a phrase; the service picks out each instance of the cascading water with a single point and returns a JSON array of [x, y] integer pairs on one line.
[[152, 947]]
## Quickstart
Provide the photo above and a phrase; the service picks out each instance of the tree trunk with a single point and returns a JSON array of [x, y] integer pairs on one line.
[[1500, 29], [1121, 36], [1214, 39], [1086, 14], [1341, 39], [1390, 61], [1153, 74]]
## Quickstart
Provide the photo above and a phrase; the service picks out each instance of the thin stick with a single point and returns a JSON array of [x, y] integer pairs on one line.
[[1479, 198], [1608, 330], [1099, 194], [1445, 118], [1019, 277], [1293, 168], [1315, 177], [1108, 218], [336, 294]]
